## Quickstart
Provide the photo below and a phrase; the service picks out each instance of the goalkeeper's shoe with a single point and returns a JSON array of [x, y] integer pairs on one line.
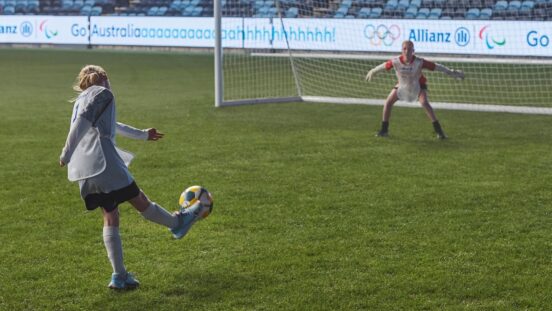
[[186, 218], [120, 281], [382, 134], [439, 130]]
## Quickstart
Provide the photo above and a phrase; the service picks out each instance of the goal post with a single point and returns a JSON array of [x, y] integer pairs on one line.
[[272, 51]]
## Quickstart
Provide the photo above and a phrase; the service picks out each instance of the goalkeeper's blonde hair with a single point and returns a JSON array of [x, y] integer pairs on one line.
[[88, 76]]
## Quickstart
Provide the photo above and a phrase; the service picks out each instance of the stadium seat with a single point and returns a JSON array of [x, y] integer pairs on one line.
[[20, 7], [9, 10], [435, 13], [162, 11], [423, 13], [86, 10], [514, 5], [96, 11], [292, 12], [152, 11], [375, 12], [501, 5], [403, 4], [363, 13], [77, 4], [187, 11], [262, 12], [175, 5], [258, 4], [67, 4], [472, 13], [411, 13], [485, 14], [527, 5], [347, 3], [33, 7], [341, 11], [416, 3], [391, 5]]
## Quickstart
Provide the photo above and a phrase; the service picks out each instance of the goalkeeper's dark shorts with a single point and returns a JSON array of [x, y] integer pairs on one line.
[[110, 201]]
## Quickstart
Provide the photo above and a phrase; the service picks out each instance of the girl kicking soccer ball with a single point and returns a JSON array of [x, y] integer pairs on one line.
[[101, 169], [412, 85]]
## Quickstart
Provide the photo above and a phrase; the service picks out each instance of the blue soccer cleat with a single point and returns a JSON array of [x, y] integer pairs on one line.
[[119, 281], [186, 218]]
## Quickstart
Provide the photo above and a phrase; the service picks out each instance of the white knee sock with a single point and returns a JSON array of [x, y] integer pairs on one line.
[[114, 247], [159, 215]]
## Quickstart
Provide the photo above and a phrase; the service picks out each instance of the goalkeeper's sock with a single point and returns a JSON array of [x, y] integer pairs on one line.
[[439, 130], [383, 132], [384, 127]]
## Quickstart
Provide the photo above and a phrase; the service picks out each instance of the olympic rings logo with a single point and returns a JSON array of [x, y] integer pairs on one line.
[[382, 34]]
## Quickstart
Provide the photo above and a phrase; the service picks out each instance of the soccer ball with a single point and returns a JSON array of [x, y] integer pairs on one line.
[[197, 193]]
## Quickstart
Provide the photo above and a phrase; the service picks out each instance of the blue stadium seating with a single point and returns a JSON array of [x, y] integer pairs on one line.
[[376, 12], [363, 9], [435, 13], [473, 13], [486, 13], [423, 13], [411, 13]]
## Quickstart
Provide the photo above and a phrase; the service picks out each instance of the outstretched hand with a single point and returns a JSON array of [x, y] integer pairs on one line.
[[369, 75], [153, 134], [458, 74]]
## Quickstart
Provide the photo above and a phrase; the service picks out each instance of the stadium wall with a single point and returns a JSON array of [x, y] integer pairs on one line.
[[463, 37]]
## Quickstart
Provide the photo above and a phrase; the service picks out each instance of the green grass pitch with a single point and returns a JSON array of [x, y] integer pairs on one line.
[[312, 212]]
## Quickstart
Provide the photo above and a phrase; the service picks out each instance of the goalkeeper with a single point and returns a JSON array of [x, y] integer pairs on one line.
[[412, 85]]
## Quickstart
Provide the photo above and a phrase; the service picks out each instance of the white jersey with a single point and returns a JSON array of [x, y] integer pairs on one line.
[[410, 77], [90, 152]]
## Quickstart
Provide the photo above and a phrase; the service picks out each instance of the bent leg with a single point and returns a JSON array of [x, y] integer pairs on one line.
[[389, 102], [429, 111], [424, 101], [153, 212]]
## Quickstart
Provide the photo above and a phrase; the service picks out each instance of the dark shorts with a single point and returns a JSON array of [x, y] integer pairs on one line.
[[110, 201]]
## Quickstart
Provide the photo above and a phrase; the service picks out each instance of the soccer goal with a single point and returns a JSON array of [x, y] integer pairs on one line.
[[270, 51]]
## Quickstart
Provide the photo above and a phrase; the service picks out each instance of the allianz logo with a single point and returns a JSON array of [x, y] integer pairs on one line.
[[8, 29], [425, 35]]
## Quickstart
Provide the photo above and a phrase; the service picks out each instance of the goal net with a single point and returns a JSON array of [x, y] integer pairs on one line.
[[320, 51]]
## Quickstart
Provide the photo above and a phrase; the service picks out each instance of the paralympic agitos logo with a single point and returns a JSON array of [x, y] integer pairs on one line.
[[490, 40], [47, 31], [382, 34]]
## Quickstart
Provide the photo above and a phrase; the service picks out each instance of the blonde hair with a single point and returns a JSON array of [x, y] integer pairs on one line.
[[88, 76]]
